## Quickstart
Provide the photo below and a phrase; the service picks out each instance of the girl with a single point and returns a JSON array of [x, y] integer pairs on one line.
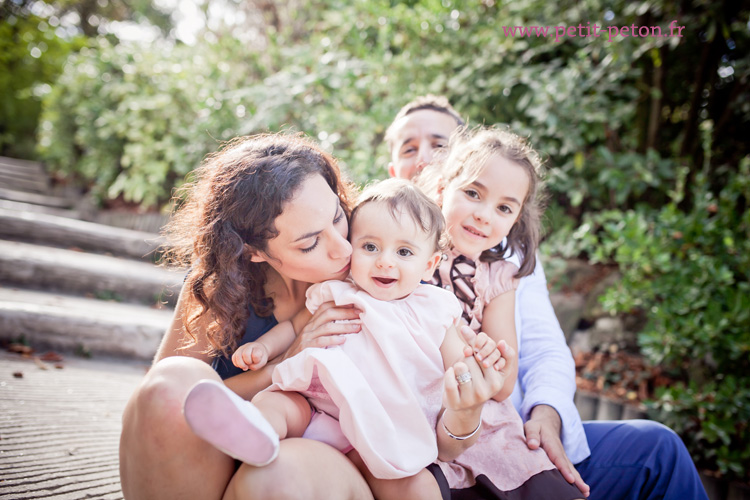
[[385, 385], [489, 189]]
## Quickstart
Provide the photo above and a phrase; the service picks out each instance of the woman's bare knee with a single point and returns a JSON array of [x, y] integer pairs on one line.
[[160, 456], [421, 486], [304, 469]]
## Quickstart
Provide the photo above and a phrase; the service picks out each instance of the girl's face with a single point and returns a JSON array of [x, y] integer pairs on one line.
[[391, 256], [479, 215], [311, 245]]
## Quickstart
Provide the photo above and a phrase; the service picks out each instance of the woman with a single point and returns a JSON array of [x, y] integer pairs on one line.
[[265, 218]]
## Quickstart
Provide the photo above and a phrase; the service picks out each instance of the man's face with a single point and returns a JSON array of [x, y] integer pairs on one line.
[[416, 136]]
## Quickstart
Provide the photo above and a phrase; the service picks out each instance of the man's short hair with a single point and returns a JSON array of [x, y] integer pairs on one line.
[[432, 102]]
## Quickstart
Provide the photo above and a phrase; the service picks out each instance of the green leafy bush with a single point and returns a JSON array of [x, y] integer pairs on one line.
[[132, 122], [688, 269], [342, 82], [32, 56]]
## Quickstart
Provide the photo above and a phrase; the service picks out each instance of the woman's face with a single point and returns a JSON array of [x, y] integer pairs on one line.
[[311, 245]]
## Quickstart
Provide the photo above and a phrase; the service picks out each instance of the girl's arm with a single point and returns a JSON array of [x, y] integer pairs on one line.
[[499, 323]]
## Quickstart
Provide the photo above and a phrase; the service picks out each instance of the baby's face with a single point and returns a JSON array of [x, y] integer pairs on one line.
[[390, 256]]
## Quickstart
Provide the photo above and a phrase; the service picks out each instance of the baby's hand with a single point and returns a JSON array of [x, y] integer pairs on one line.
[[485, 350], [252, 356]]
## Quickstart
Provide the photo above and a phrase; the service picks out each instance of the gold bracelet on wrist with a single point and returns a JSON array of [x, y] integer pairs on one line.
[[461, 438]]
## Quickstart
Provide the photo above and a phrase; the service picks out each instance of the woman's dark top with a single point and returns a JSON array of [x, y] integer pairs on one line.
[[255, 327]]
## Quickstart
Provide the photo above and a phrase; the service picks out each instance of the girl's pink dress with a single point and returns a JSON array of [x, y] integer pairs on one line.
[[500, 453], [384, 384]]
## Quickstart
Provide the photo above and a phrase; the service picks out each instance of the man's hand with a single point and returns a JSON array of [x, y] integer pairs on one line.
[[543, 430]]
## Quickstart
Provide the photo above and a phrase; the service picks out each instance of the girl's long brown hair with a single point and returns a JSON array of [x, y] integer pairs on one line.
[[228, 211]]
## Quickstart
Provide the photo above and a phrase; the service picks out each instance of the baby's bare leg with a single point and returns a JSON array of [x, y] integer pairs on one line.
[[240, 428], [288, 412], [421, 486]]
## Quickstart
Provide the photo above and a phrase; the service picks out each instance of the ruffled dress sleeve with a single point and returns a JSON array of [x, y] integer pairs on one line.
[[491, 280]]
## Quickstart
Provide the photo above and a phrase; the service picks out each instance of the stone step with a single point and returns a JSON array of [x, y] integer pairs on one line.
[[58, 231], [23, 175], [20, 206], [79, 324], [22, 165], [23, 181], [35, 198], [55, 269], [148, 222]]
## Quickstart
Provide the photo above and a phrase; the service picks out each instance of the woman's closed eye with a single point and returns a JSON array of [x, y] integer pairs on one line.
[[340, 216], [311, 247]]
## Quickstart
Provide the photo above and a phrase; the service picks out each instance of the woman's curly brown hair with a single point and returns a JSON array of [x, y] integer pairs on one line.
[[228, 213]]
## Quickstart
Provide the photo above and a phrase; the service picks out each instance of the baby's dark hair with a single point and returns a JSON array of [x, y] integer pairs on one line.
[[468, 153], [431, 102], [401, 196]]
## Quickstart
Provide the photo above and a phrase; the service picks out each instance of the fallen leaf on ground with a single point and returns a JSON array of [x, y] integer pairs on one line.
[[20, 349], [51, 356], [41, 364]]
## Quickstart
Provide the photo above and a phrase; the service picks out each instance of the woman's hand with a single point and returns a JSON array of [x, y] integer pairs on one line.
[[468, 384], [328, 326]]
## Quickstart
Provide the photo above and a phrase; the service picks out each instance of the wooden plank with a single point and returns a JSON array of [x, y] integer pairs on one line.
[[83, 462], [22, 164], [25, 185], [103, 276], [70, 323], [36, 199], [39, 209], [65, 232]]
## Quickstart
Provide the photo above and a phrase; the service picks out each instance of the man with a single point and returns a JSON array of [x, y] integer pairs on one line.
[[619, 459], [421, 127]]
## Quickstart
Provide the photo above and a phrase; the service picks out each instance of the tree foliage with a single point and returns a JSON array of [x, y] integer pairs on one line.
[[32, 55], [36, 38]]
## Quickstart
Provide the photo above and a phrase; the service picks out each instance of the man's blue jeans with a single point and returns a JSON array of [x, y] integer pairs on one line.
[[638, 459]]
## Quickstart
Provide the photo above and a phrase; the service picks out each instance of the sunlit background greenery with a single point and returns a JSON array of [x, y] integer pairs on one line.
[[645, 138]]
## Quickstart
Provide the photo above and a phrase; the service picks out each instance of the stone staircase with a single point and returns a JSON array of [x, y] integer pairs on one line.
[[76, 285]]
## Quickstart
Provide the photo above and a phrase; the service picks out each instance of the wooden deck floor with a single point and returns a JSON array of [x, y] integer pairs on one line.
[[59, 428]]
